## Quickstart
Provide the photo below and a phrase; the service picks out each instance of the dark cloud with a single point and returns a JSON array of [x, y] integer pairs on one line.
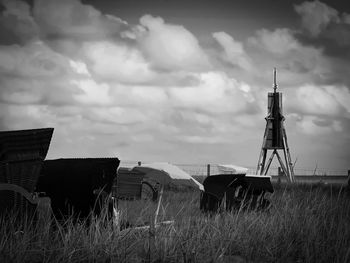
[[339, 74], [74, 20], [330, 42], [316, 16], [51, 20], [325, 27], [296, 67], [340, 33], [17, 22], [7, 36]]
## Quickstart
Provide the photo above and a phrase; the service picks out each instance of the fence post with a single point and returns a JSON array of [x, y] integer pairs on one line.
[[349, 178], [208, 169], [280, 174]]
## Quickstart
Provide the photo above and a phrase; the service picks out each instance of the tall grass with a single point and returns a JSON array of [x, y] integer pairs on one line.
[[304, 224]]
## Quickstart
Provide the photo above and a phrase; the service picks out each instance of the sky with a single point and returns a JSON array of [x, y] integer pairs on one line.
[[178, 81]]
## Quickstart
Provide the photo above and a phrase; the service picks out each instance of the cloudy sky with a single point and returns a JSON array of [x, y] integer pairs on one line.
[[178, 81]]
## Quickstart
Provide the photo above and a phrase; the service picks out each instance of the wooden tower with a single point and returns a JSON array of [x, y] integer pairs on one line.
[[275, 136]]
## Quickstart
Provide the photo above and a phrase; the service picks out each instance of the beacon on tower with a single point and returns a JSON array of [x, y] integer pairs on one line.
[[275, 136]]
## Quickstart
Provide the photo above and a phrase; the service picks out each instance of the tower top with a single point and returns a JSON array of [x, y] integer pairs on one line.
[[274, 80]]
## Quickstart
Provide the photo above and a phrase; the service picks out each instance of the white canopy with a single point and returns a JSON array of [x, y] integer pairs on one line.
[[165, 173], [232, 169]]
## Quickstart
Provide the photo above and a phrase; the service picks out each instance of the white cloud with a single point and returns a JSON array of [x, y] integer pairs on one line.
[[20, 94], [91, 92], [316, 126], [114, 61], [171, 47], [34, 59], [341, 95], [279, 41], [196, 139], [143, 138], [139, 96], [35, 74], [314, 100], [296, 63], [118, 115], [233, 50], [216, 92], [79, 67], [148, 96], [26, 116]]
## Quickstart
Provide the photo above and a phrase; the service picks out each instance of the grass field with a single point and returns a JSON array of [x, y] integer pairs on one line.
[[305, 224]]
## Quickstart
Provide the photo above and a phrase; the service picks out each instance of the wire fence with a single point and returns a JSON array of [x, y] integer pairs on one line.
[[211, 169]]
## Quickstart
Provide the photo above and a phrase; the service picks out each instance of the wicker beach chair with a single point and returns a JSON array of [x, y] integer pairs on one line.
[[21, 156], [234, 191]]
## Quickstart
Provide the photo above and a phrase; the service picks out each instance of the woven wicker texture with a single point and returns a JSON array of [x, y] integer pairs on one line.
[[21, 157], [25, 144]]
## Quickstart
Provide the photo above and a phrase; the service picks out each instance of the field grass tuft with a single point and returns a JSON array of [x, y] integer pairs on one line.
[[304, 224]]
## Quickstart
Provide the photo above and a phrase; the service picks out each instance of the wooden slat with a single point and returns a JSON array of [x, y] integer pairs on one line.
[[129, 184]]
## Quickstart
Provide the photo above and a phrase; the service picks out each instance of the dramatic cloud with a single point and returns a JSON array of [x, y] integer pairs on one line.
[[115, 61], [91, 92], [328, 100], [312, 125], [17, 19], [214, 93], [300, 63], [316, 16], [155, 90], [34, 74], [34, 59], [170, 47], [319, 19], [233, 50], [72, 19], [279, 41]]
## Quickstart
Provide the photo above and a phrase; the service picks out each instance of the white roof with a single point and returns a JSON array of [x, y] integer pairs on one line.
[[232, 169], [168, 172]]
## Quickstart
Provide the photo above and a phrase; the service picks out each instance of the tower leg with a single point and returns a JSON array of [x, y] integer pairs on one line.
[[288, 174], [288, 158], [263, 152], [263, 161], [269, 162], [258, 167], [261, 164], [285, 170]]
